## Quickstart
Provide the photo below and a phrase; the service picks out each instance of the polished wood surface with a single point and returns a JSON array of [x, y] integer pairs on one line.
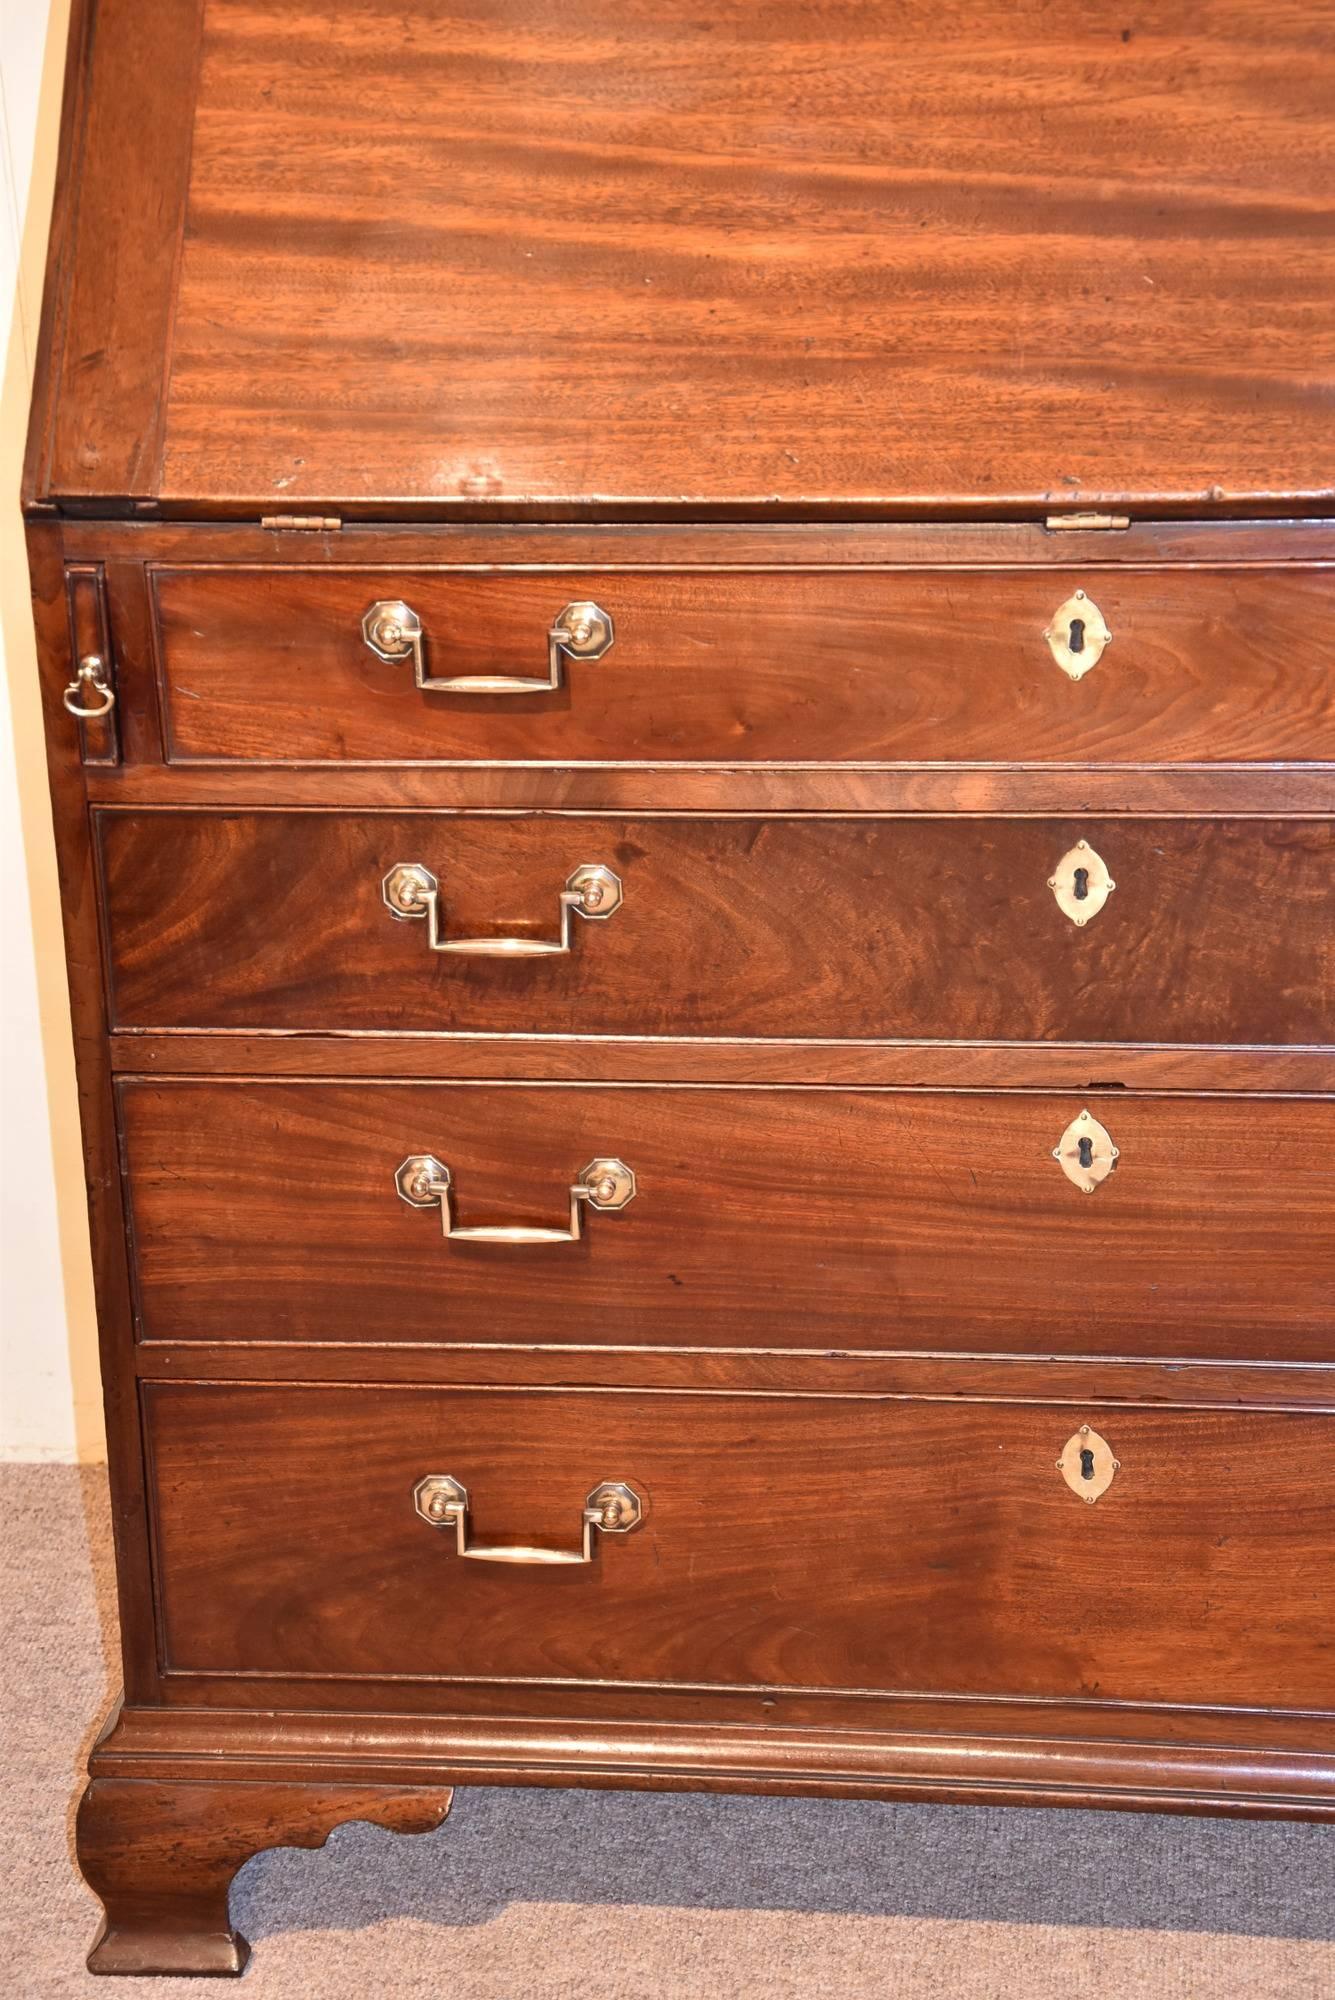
[[1079, 1380], [423, 1732], [135, 551], [160, 1856], [631, 1059], [1261, 791], [763, 1218], [102, 1187], [99, 409], [998, 1753], [825, 1544], [599, 257], [796, 340], [1205, 666], [915, 928], [1060, 541]]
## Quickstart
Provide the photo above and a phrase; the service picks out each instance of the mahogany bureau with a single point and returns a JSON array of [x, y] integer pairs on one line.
[[692, 720]]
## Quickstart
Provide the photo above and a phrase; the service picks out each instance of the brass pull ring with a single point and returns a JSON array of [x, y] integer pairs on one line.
[[88, 679], [613, 1508], [412, 891], [393, 631], [423, 1182]]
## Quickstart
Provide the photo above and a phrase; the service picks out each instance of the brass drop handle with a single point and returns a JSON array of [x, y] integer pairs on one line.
[[424, 1182], [411, 891], [393, 631], [611, 1509], [90, 678]]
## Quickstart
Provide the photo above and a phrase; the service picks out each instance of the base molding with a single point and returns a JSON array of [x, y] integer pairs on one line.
[[1229, 1763], [180, 1798]]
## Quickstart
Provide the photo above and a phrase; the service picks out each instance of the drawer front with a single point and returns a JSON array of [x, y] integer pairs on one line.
[[1204, 665], [763, 1218], [821, 1542], [1217, 931]]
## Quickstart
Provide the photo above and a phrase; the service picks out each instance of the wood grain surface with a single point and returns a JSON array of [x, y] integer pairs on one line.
[[1206, 666], [1147, 1759], [99, 413], [1148, 1383], [610, 256], [1261, 791], [161, 1856], [834, 1543], [764, 1218], [781, 333], [643, 1059], [1218, 931], [991, 540], [101, 1186]]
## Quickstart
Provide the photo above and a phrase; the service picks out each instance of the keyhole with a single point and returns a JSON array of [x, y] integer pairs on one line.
[[1076, 642], [1081, 885], [1086, 1455], [1086, 1152]]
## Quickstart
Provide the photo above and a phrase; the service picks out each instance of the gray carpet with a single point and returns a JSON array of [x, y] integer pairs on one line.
[[549, 1895]]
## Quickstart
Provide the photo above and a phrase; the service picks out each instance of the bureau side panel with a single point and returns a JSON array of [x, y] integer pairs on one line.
[[102, 1179]]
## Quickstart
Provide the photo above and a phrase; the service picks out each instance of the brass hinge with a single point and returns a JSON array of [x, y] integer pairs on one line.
[[1059, 523], [305, 524]]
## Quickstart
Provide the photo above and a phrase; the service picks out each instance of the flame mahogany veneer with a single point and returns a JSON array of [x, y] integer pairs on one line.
[[911, 1461]]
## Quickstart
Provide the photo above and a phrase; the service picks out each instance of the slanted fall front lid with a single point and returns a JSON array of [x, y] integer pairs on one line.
[[599, 256]]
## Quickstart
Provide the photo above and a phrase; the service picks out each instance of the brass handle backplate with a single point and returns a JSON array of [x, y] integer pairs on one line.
[[393, 631], [613, 1508], [424, 1182], [90, 678], [591, 891]]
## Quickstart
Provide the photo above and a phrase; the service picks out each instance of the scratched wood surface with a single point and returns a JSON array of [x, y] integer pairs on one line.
[[607, 254]]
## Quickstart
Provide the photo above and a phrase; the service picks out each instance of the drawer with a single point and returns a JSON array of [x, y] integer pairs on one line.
[[741, 667], [1217, 931], [818, 1542], [791, 1218]]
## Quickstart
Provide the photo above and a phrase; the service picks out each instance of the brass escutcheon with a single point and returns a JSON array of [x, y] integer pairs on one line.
[[1085, 1153], [1087, 1464], [1081, 883], [1078, 635]]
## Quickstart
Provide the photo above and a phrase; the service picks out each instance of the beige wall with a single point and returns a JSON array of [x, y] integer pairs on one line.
[[50, 1404]]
